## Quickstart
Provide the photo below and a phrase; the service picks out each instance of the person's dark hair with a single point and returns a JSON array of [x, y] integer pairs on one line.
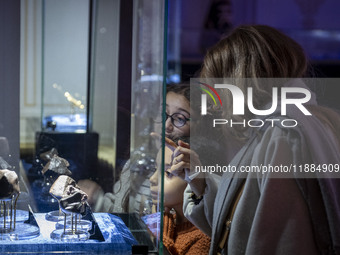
[[187, 90], [180, 88]]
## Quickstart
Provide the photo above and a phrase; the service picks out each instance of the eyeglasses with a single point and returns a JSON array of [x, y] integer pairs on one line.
[[177, 119]]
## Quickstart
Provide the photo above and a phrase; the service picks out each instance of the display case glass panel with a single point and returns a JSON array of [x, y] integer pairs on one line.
[[148, 78], [65, 54], [85, 182]]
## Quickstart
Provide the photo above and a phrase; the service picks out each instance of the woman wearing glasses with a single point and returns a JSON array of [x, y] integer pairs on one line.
[[177, 126], [179, 235], [177, 111]]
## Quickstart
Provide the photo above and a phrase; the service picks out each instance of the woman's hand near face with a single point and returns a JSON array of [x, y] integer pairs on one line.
[[184, 163]]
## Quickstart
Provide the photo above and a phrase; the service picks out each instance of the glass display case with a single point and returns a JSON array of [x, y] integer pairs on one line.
[[86, 150]]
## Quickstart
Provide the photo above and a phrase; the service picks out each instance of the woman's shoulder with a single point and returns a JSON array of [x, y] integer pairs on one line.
[[267, 141]]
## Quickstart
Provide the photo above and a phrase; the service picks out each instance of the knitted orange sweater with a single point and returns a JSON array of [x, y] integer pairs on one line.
[[184, 238]]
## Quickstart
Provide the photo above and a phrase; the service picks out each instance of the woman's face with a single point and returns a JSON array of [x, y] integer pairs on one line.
[[173, 186], [176, 103]]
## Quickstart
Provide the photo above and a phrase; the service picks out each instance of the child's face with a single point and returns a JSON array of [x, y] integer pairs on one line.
[[176, 103], [173, 186]]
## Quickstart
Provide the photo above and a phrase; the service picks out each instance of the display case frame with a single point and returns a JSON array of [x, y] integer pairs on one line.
[[125, 52]]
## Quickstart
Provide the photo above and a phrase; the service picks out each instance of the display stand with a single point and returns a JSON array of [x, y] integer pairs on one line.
[[11, 228], [74, 229], [111, 237]]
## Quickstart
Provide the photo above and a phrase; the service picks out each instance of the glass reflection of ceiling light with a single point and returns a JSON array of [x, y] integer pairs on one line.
[[56, 86], [153, 77], [73, 100], [326, 34], [321, 33], [175, 78]]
